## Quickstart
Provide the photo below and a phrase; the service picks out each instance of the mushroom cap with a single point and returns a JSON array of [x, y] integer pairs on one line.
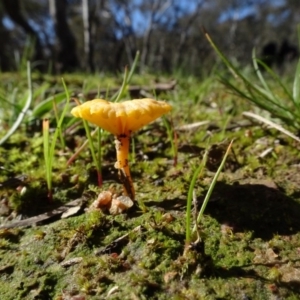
[[121, 117]]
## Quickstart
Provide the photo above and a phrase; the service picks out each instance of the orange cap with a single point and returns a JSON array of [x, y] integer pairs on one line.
[[121, 117]]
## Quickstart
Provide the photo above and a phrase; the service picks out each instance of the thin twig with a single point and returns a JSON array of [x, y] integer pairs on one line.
[[271, 124], [45, 216], [117, 242]]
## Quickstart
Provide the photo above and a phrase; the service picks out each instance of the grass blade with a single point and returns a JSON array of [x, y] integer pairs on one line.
[[24, 110], [276, 78], [49, 151], [133, 67], [46, 106], [62, 141], [211, 187], [123, 87], [285, 107], [127, 79], [92, 148], [267, 89], [188, 217], [47, 158], [296, 86]]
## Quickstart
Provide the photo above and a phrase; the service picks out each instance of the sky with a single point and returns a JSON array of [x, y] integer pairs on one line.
[[244, 11], [140, 20]]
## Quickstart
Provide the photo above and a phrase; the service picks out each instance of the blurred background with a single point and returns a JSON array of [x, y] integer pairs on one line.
[[104, 35]]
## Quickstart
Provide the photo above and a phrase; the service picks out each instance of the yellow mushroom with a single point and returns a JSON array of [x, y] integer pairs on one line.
[[121, 119]]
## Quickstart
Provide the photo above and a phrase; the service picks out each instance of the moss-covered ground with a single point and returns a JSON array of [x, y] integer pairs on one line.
[[250, 233]]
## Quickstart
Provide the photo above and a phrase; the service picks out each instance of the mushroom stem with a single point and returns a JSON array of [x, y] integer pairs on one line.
[[122, 149]]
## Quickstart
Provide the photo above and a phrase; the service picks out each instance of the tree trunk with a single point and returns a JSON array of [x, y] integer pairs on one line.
[[157, 10], [13, 9], [89, 64], [67, 57]]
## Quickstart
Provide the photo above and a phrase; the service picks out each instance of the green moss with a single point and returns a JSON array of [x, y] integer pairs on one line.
[[250, 230]]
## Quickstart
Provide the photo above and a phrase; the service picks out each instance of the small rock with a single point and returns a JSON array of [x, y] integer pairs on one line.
[[71, 212]]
